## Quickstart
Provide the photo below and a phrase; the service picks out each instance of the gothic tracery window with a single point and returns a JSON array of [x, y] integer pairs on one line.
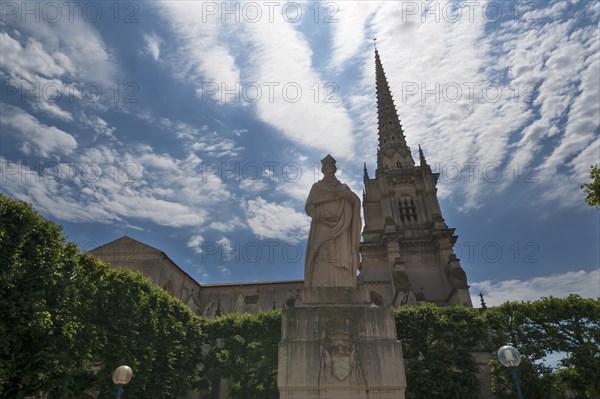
[[407, 210]]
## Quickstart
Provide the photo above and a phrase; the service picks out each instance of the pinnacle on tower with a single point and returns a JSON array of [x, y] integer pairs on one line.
[[422, 157], [391, 134], [483, 304]]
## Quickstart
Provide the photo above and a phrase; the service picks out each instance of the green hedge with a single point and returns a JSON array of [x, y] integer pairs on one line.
[[243, 348], [67, 320]]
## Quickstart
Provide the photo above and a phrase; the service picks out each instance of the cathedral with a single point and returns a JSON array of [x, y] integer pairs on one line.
[[407, 255], [406, 249]]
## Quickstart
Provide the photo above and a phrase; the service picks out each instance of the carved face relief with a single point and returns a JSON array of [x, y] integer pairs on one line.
[[329, 169], [328, 166]]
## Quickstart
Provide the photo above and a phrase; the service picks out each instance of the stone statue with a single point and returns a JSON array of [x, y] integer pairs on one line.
[[332, 256]]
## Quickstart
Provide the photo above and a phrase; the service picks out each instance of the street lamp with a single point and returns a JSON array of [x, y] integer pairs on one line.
[[510, 357], [121, 376]]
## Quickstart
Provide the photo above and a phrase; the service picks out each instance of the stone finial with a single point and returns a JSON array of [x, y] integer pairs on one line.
[[483, 304]]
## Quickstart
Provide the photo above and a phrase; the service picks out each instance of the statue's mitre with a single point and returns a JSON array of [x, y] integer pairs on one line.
[[328, 160]]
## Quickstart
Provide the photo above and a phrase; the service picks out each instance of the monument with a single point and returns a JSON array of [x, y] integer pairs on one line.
[[335, 343], [333, 243]]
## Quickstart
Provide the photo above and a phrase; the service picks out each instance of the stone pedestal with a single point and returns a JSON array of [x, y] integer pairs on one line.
[[337, 345]]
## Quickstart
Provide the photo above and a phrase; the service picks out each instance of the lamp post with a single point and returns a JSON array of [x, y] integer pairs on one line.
[[121, 376], [510, 357]]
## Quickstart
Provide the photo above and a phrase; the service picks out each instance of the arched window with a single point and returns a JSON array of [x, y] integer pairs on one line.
[[398, 164], [407, 210]]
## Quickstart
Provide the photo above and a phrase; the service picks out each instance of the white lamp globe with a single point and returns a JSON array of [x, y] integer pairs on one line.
[[509, 356], [122, 375]]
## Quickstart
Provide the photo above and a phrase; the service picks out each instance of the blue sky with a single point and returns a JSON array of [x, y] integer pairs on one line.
[[198, 127]]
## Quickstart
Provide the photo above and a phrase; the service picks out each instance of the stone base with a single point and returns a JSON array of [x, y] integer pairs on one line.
[[334, 296], [334, 350]]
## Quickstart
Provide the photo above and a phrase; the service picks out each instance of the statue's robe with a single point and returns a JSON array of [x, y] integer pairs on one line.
[[332, 250]]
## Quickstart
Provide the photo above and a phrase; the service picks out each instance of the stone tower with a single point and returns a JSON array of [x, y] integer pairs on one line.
[[407, 254]]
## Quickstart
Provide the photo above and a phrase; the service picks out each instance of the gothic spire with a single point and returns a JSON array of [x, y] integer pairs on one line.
[[392, 142]]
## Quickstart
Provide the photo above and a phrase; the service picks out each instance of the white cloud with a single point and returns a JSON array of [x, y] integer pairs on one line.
[[583, 283], [105, 184], [228, 226], [31, 59], [145, 206], [50, 108], [61, 56], [98, 125], [152, 45], [282, 54], [199, 140], [29, 68], [253, 185], [195, 242], [269, 52], [44, 140], [76, 46], [581, 164], [201, 54], [50, 195], [214, 145], [224, 270], [226, 248], [350, 28], [584, 115], [272, 220]]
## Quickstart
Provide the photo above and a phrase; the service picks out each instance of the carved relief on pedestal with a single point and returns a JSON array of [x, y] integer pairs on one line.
[[339, 359], [293, 331]]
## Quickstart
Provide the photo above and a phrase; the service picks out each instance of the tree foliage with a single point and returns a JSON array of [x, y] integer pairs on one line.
[[437, 344], [243, 349], [569, 326], [39, 343], [592, 189], [67, 320]]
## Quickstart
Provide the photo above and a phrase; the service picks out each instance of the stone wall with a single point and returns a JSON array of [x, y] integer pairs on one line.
[[134, 255]]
